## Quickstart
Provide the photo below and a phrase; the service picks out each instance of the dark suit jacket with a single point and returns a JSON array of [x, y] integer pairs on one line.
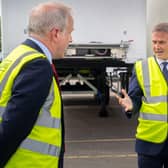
[[142, 147], [29, 92]]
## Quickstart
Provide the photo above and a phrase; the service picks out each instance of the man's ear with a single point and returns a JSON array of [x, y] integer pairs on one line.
[[55, 33]]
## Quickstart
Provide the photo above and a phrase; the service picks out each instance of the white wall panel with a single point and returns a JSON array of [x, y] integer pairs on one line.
[[156, 13], [95, 20]]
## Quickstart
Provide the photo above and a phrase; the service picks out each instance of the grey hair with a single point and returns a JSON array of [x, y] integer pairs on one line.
[[48, 15], [161, 27]]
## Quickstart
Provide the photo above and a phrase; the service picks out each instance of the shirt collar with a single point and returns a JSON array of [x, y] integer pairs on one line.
[[44, 48], [160, 61]]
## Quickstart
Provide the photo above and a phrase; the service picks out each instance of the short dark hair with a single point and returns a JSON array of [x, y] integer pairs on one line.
[[161, 27]]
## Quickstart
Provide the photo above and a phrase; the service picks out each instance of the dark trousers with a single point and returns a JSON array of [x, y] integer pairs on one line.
[[145, 161], [157, 161], [61, 161]]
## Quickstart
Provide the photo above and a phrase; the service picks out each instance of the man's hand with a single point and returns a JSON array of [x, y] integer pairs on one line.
[[126, 101]]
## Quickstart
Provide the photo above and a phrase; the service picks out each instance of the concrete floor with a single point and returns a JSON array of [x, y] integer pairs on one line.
[[95, 142]]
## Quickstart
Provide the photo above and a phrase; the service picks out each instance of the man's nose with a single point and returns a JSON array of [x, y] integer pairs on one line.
[[157, 46]]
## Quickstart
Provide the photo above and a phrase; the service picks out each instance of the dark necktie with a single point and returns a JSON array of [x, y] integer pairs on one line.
[[165, 71], [55, 74]]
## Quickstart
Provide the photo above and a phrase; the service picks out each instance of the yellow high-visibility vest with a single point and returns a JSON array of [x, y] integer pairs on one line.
[[153, 116], [41, 148]]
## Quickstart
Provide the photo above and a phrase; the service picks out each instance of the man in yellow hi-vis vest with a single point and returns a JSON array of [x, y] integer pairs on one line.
[[31, 114], [148, 95]]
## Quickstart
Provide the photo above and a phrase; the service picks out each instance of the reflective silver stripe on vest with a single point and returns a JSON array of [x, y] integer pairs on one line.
[[40, 147], [45, 118], [149, 98], [154, 99], [3, 82], [2, 110], [156, 117], [145, 72]]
